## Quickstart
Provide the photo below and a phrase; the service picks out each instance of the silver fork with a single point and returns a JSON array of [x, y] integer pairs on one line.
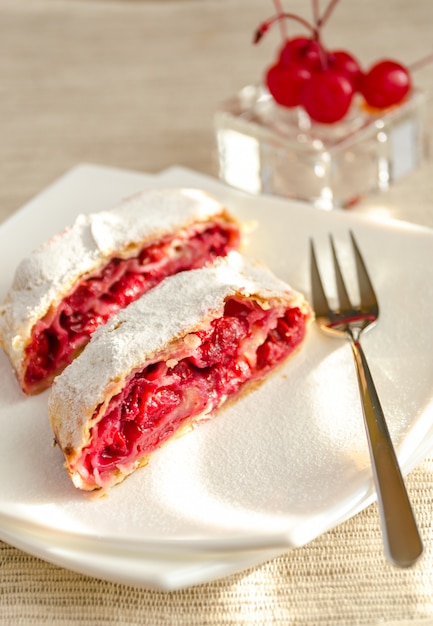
[[402, 541]]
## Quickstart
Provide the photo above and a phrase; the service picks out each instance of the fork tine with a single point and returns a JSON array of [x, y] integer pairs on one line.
[[366, 291], [318, 296], [343, 296]]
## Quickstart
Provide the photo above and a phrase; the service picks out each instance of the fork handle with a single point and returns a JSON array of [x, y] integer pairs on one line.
[[403, 545]]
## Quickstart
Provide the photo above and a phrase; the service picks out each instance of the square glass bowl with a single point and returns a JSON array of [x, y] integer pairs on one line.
[[265, 148]]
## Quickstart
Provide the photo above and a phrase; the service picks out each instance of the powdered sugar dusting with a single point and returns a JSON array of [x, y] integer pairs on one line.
[[149, 215]]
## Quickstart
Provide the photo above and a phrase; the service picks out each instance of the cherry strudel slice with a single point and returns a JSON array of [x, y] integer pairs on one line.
[[168, 360], [73, 283]]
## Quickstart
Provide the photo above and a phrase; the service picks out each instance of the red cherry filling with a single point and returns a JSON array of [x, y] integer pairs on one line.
[[62, 333], [241, 346]]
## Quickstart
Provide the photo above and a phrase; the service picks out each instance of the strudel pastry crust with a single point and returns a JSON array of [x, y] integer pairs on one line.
[[168, 360], [73, 283]]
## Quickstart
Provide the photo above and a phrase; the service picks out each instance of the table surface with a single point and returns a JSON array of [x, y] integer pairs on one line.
[[134, 84]]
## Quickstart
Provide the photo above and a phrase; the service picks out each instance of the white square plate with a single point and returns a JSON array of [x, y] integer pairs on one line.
[[277, 469]]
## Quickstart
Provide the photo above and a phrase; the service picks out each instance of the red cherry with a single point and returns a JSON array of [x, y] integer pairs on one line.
[[327, 96], [324, 82], [386, 83], [302, 50], [344, 63], [286, 83]]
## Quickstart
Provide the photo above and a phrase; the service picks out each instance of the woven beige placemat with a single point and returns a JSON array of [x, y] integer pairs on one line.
[[339, 579]]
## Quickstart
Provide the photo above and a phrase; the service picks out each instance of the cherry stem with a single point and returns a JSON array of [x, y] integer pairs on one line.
[[327, 13], [265, 26], [317, 22], [279, 10], [417, 65], [316, 17]]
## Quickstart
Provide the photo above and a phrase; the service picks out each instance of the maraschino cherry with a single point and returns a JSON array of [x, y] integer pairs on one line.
[[323, 81], [286, 83], [302, 50], [346, 64], [327, 96], [385, 84]]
